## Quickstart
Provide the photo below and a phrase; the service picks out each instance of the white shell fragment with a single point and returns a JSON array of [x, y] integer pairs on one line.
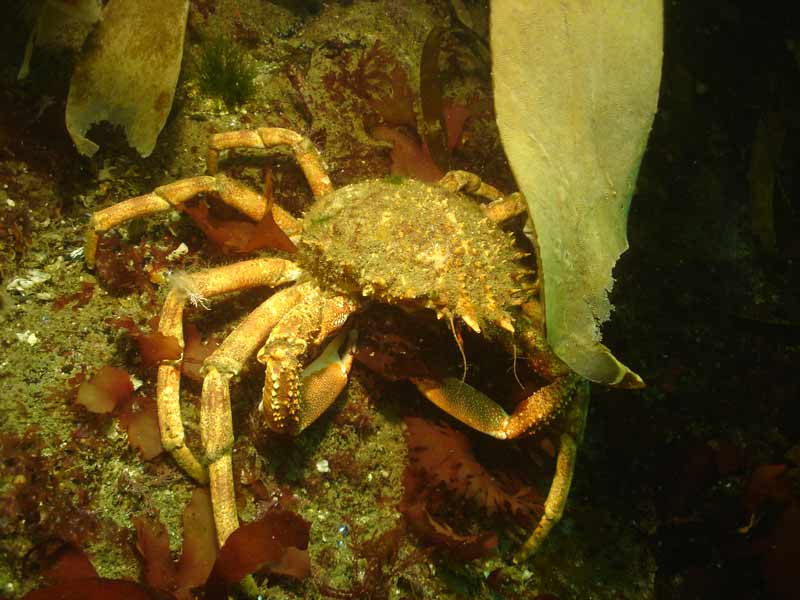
[[27, 282], [28, 337], [181, 250]]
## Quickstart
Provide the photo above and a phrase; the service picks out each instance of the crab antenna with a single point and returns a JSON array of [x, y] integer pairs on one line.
[[268, 190], [460, 345]]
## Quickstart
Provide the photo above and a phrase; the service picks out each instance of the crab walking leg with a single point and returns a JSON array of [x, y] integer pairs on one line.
[[506, 208], [323, 379], [216, 426], [480, 412], [196, 288], [477, 410], [293, 398], [464, 181], [173, 195], [305, 152], [500, 208], [556, 501]]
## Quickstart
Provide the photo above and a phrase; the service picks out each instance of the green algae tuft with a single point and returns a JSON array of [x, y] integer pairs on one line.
[[226, 72]]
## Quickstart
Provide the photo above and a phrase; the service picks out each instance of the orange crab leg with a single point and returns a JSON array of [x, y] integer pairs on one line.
[[321, 383], [216, 427], [304, 151], [286, 406], [196, 288], [500, 208], [323, 380], [477, 410], [483, 414], [464, 181], [556, 501], [172, 196]]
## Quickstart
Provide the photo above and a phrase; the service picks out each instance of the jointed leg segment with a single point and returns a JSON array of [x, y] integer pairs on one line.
[[172, 196], [238, 196], [500, 208], [216, 426], [266, 137], [195, 288], [481, 413], [556, 501], [566, 396], [287, 405], [318, 385]]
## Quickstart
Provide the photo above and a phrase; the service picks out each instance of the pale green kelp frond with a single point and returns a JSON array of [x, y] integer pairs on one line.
[[576, 88]]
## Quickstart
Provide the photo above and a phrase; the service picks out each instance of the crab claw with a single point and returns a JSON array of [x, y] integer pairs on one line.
[[280, 401], [324, 379], [294, 397]]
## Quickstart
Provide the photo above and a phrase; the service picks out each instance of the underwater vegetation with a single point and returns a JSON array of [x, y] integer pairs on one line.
[[132, 38], [225, 72]]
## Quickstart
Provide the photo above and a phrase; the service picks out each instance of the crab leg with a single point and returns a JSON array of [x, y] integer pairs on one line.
[[483, 414], [480, 412], [323, 380], [556, 501], [286, 405], [464, 181], [500, 208], [172, 196], [216, 427], [327, 377], [300, 311], [266, 137], [196, 288]]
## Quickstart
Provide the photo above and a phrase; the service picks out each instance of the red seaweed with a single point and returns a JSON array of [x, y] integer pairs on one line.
[[381, 80], [198, 553], [239, 236], [432, 531], [70, 563], [105, 390], [97, 589], [80, 298], [445, 458], [410, 158], [152, 542], [277, 542], [140, 420], [196, 352], [155, 347]]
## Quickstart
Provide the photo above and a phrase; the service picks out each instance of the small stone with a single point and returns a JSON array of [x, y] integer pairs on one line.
[[136, 382], [323, 466], [181, 250], [344, 530], [28, 337]]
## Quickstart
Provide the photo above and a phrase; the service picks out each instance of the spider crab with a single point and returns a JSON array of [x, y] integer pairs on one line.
[[407, 244]]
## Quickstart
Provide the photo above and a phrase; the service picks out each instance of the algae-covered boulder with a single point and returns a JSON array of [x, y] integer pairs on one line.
[[128, 72], [576, 87]]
